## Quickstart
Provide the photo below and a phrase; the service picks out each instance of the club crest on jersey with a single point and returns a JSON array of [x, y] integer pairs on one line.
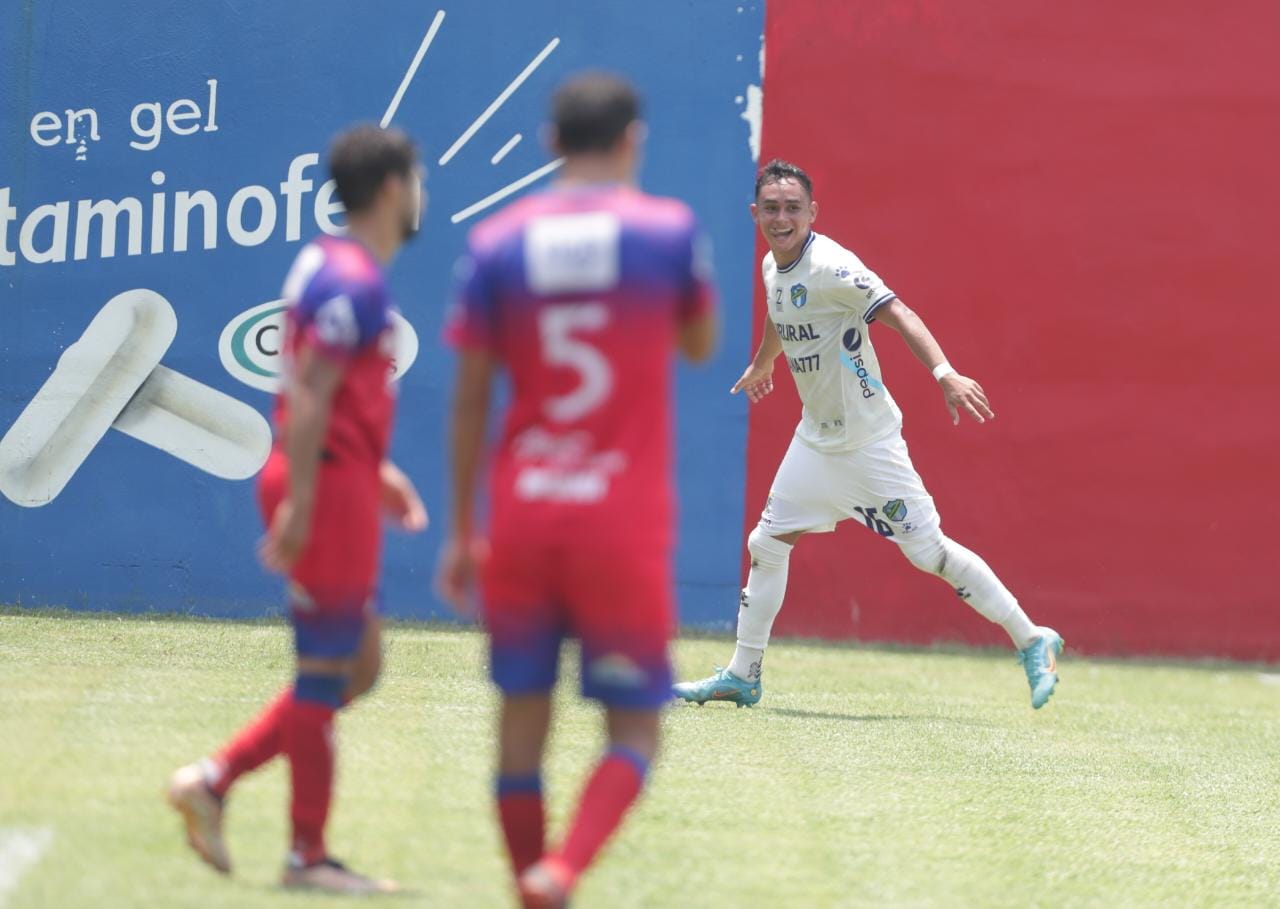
[[799, 295], [895, 510]]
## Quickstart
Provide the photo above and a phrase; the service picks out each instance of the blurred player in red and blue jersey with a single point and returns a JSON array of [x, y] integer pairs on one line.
[[583, 293], [323, 492]]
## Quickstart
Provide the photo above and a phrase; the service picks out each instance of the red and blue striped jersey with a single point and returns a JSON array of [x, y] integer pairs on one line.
[[340, 307], [579, 293]]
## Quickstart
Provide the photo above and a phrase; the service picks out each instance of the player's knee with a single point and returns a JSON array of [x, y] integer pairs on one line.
[[320, 688], [767, 551], [929, 554]]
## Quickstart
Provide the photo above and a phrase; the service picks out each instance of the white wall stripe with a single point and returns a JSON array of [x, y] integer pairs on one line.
[[506, 191], [498, 102], [413, 68]]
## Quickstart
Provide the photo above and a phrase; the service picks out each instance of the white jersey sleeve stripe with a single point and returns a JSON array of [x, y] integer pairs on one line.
[[870, 315]]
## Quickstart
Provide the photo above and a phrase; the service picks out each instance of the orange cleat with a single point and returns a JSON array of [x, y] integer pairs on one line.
[[201, 811]]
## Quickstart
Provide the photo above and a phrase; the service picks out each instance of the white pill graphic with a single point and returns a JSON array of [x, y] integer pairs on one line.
[[93, 381], [198, 424]]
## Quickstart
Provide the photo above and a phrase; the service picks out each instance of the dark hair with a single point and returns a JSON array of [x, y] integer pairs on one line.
[[778, 170], [362, 157], [592, 111]]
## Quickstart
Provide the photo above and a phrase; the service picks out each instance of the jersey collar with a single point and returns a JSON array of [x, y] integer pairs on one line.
[[804, 251]]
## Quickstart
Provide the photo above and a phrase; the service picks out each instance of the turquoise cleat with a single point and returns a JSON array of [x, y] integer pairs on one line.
[[1040, 660], [723, 686]]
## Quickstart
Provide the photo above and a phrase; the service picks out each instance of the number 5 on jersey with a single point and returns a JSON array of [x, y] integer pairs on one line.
[[561, 327]]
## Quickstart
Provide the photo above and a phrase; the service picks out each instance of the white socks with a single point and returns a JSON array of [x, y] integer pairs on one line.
[[974, 582], [964, 570], [761, 601]]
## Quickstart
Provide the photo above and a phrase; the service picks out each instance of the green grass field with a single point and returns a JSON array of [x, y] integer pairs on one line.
[[866, 777]]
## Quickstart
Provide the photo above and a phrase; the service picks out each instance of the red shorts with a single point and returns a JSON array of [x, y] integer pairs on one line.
[[616, 600], [333, 585]]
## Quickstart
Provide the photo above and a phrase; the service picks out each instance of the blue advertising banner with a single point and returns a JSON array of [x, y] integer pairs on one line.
[[161, 169]]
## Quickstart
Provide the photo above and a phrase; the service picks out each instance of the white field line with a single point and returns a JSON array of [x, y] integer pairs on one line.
[[498, 102], [413, 68], [506, 191], [19, 850], [502, 152]]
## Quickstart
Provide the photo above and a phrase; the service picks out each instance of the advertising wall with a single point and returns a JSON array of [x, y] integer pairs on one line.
[[1080, 200], [161, 169]]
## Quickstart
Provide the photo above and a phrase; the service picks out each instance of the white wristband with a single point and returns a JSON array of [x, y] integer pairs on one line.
[[942, 370]]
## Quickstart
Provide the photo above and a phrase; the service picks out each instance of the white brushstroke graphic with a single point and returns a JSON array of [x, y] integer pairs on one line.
[[413, 68], [507, 190], [498, 102]]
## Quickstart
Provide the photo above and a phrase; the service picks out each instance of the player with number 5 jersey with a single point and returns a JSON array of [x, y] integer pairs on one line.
[[583, 294]]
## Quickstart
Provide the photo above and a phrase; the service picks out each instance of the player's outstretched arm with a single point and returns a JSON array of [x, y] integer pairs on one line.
[[463, 551], [400, 500], [757, 380], [698, 336], [310, 389], [959, 392]]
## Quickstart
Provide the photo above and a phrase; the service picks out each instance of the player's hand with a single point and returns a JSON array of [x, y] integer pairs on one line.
[[757, 382], [400, 501], [964, 394], [458, 574], [280, 549]]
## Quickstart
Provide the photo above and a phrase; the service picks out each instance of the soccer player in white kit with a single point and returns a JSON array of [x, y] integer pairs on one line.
[[848, 458]]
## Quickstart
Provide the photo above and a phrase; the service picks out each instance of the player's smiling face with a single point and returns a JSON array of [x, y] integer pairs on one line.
[[785, 213]]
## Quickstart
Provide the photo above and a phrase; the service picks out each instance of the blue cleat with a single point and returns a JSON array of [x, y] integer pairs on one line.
[[1040, 660], [723, 686]]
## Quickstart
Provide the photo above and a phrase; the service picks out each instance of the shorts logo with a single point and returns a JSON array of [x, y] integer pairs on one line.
[[895, 510], [862, 282], [799, 295], [616, 670]]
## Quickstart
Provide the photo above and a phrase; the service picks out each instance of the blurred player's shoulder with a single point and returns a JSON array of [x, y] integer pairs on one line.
[[505, 225], [656, 211], [329, 265]]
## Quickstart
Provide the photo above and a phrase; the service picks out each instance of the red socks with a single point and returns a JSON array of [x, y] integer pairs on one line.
[[307, 740], [252, 747], [302, 729], [612, 789], [523, 819]]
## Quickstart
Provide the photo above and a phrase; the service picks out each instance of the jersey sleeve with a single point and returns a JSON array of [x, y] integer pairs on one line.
[[699, 296], [471, 322], [858, 287], [340, 320]]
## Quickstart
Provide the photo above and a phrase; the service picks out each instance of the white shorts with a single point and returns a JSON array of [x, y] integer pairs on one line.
[[874, 485]]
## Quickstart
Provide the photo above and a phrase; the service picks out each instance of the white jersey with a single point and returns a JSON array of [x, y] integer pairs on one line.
[[822, 305]]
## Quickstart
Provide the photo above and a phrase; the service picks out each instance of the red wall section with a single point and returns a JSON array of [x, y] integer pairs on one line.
[[1081, 200]]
